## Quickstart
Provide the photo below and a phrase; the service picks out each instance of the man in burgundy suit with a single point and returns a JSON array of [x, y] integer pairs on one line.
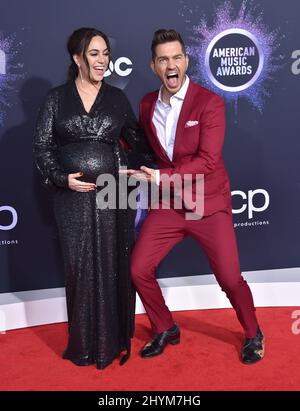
[[185, 126]]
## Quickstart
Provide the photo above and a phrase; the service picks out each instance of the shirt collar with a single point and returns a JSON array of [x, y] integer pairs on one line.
[[180, 95]]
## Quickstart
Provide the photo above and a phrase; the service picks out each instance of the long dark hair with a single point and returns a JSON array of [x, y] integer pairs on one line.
[[78, 43]]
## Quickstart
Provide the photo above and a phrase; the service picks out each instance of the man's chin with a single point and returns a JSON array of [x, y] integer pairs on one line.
[[172, 90]]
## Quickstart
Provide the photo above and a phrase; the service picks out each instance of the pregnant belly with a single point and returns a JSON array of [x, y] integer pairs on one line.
[[91, 158]]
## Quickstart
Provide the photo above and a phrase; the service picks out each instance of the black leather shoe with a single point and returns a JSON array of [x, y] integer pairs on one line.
[[158, 344], [253, 348]]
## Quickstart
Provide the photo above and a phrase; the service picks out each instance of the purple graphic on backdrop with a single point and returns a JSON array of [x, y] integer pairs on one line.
[[9, 51], [235, 56]]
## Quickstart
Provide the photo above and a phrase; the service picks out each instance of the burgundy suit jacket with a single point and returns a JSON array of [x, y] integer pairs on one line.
[[198, 147]]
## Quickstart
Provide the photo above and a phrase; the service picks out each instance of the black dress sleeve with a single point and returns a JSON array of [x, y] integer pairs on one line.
[[45, 145], [140, 152]]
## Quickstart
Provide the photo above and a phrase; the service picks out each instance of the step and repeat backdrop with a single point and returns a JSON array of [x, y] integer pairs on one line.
[[246, 51]]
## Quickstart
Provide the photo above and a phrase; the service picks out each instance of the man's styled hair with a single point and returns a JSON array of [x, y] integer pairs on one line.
[[162, 36]]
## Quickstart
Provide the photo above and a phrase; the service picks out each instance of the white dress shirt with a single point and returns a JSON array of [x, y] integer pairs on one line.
[[165, 119]]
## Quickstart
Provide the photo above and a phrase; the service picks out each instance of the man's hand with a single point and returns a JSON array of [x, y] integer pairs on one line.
[[145, 174], [150, 173]]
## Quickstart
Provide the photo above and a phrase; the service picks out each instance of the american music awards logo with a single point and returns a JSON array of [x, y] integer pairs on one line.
[[234, 60], [235, 55], [9, 68]]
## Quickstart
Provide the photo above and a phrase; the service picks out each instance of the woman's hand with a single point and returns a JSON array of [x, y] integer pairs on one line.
[[81, 186]]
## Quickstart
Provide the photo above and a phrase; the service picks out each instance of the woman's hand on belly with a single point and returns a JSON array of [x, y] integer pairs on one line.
[[77, 185]]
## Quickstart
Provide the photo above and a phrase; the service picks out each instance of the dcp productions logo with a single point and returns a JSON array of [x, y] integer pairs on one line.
[[13, 218], [252, 204], [248, 202], [8, 221]]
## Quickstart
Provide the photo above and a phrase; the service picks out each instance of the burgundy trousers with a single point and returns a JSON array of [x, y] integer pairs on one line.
[[163, 229]]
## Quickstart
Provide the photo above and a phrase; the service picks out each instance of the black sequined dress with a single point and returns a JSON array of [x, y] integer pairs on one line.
[[95, 243]]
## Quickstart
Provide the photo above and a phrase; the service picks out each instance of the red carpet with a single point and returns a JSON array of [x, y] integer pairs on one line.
[[206, 359]]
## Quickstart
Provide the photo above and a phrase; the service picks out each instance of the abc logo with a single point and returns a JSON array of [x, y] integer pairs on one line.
[[249, 202], [14, 218], [122, 67]]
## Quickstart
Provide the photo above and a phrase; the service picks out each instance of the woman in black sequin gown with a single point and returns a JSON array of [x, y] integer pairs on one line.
[[78, 131]]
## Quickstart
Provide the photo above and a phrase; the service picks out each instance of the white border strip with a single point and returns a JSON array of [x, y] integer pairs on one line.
[[31, 308]]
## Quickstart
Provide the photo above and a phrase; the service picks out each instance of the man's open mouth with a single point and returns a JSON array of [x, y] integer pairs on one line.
[[172, 80]]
